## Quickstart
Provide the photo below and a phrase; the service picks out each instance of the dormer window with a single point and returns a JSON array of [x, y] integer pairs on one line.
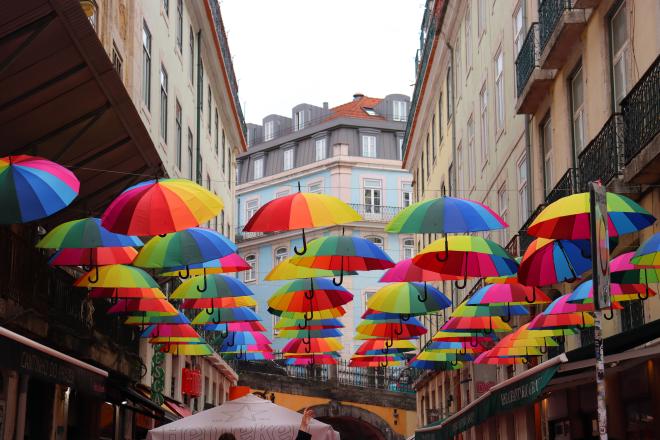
[[370, 111], [258, 168], [400, 110], [269, 130], [299, 120], [288, 159]]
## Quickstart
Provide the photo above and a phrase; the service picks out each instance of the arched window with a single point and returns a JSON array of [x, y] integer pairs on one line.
[[378, 241], [408, 248], [251, 274], [281, 254]]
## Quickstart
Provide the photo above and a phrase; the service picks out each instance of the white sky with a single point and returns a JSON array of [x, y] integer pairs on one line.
[[286, 52]]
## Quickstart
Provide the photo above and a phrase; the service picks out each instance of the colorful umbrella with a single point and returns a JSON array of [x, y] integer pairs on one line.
[[286, 270], [320, 314], [245, 338], [466, 256], [143, 305], [230, 263], [299, 211], [488, 359], [505, 294], [408, 299], [117, 275], [648, 254], [562, 305], [375, 346], [194, 245], [315, 359], [211, 286], [101, 256], [126, 292], [237, 326], [454, 347], [211, 303], [509, 310], [176, 340], [344, 254], [622, 271], [169, 331], [85, 233], [548, 261], [477, 336], [434, 365], [580, 320], [444, 357], [221, 316], [568, 217], [255, 356], [308, 296], [157, 318], [309, 333], [312, 345], [161, 206], [187, 349], [406, 270], [32, 188], [376, 361], [391, 330], [485, 324], [584, 293], [315, 324]]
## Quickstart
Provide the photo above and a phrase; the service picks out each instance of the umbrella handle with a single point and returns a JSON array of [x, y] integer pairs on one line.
[[582, 326], [465, 275], [385, 350], [611, 315], [399, 331], [224, 333], [311, 290], [445, 253], [383, 364], [306, 341], [525, 360], [474, 341], [389, 343], [218, 320], [545, 346], [210, 311], [187, 273], [404, 317], [644, 297], [308, 347], [574, 275], [454, 362], [508, 313], [463, 350], [233, 339], [162, 235], [426, 294], [533, 298], [205, 285], [95, 280], [341, 275], [304, 249]]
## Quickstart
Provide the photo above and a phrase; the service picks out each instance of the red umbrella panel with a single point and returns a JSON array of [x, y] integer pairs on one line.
[[126, 292], [406, 270], [211, 303], [169, 331], [142, 305], [390, 330], [312, 345], [487, 358], [99, 256], [485, 324], [567, 320]]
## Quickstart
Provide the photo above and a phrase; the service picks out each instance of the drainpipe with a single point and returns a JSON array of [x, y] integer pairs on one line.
[[200, 104], [452, 178], [528, 154]]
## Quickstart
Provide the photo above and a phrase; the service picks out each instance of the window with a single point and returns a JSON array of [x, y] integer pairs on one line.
[[222, 222], [225, 162], [458, 62], [503, 209], [471, 157], [440, 118], [299, 120], [483, 116], [179, 25], [368, 145], [523, 200], [276, 331], [428, 155], [408, 248], [191, 48], [146, 66], [450, 95], [251, 273], [288, 159], [283, 193], [365, 297], [518, 27], [320, 149], [281, 254], [269, 130], [372, 195], [433, 144], [208, 94], [217, 135], [499, 91], [251, 207], [619, 55], [315, 188], [577, 110], [190, 154], [258, 168], [546, 144], [178, 127], [406, 194], [166, 7], [481, 18], [370, 111], [400, 143], [468, 40], [117, 60], [378, 241], [399, 112], [163, 103]]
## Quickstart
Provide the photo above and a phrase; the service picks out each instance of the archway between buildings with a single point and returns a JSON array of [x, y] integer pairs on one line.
[[353, 422]]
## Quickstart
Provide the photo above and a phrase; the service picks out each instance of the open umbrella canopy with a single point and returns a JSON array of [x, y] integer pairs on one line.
[[515, 351], [32, 188], [548, 261], [169, 331], [250, 356], [102, 256], [568, 217], [562, 305], [375, 315], [312, 345], [299, 302], [294, 324], [85, 233], [286, 270], [187, 349], [445, 215], [236, 326], [211, 303], [444, 357], [126, 292], [245, 338], [309, 333], [147, 318], [406, 270], [228, 264], [503, 294], [392, 330], [310, 316], [245, 348], [579, 320], [377, 362], [584, 293], [176, 340], [116, 275], [371, 345], [408, 298], [487, 358], [194, 245], [161, 206], [465, 310], [221, 316], [622, 271], [476, 336], [519, 339], [434, 365], [334, 354], [466, 256], [485, 324], [317, 359], [454, 347], [143, 305], [648, 253], [211, 286]]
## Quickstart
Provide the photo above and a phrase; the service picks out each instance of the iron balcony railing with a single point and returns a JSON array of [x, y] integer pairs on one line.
[[528, 58], [567, 185], [376, 213], [641, 111], [602, 158], [513, 246], [550, 11], [524, 240]]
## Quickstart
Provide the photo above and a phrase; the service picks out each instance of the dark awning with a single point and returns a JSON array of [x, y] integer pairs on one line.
[[62, 99]]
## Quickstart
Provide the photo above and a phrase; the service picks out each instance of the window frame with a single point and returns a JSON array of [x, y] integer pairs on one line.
[[548, 177], [251, 208], [277, 258], [146, 65], [619, 55], [367, 146], [523, 196], [500, 108], [483, 123], [311, 187], [503, 209], [468, 40], [406, 188], [179, 26], [258, 160], [250, 275], [372, 190], [299, 120], [405, 247], [578, 118], [399, 110], [519, 32], [164, 85], [178, 124], [288, 158], [269, 130], [191, 156], [471, 153], [321, 142]]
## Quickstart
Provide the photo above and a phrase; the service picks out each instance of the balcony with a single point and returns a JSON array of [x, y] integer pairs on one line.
[[524, 240], [641, 115], [532, 82], [567, 185], [602, 158], [585, 4], [560, 26]]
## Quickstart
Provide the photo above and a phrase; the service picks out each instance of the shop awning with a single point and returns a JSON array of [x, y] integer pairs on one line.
[[62, 99], [29, 357], [181, 410], [517, 391]]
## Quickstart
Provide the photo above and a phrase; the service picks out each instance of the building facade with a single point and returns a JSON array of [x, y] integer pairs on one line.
[[516, 105], [352, 152]]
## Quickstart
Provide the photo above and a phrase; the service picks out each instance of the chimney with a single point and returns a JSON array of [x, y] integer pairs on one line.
[[325, 105], [358, 96]]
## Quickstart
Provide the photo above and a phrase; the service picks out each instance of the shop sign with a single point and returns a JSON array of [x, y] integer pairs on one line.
[[191, 383]]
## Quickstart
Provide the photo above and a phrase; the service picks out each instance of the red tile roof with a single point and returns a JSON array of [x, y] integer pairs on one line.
[[355, 109]]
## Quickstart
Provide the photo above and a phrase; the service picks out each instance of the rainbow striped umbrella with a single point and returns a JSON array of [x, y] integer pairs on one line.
[[117, 275], [228, 264], [408, 298], [485, 324], [143, 305], [437, 356], [253, 356], [211, 286], [312, 345], [101, 256], [648, 253], [622, 271], [286, 270], [169, 331], [32, 188], [211, 303], [299, 211], [126, 292], [85, 233], [548, 261], [406, 270], [434, 365], [187, 349], [309, 333], [161, 206], [146, 318], [222, 316], [508, 310], [315, 324], [568, 217], [245, 338], [584, 293], [376, 361], [489, 359], [566, 320], [309, 295], [236, 326], [403, 329], [313, 315], [315, 359], [506, 294], [562, 305]]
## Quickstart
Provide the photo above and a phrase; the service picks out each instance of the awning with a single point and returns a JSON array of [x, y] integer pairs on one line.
[[517, 391], [27, 356], [177, 408]]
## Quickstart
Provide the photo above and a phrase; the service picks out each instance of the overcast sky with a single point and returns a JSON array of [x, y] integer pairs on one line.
[[287, 52]]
